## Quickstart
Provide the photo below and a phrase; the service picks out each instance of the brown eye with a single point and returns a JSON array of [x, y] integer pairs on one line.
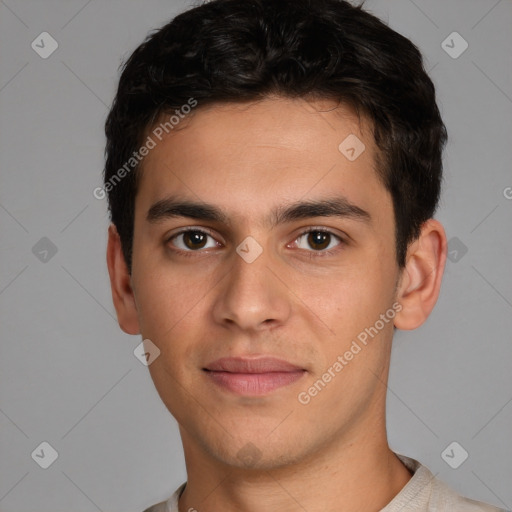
[[191, 240], [194, 239], [317, 240]]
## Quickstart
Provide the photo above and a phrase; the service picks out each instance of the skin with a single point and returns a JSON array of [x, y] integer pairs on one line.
[[294, 301]]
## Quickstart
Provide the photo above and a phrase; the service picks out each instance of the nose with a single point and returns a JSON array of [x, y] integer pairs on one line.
[[251, 297]]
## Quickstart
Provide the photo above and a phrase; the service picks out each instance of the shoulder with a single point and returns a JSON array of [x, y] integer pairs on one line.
[[426, 493], [159, 507], [170, 505], [444, 497]]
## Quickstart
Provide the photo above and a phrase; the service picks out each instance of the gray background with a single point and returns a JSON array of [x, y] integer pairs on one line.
[[68, 375]]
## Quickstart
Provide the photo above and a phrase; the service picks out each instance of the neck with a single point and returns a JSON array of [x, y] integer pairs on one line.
[[359, 473]]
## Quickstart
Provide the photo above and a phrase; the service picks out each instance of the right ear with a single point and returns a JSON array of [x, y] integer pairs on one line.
[[120, 283]]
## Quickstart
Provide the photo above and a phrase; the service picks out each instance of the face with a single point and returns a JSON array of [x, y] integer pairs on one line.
[[316, 274]]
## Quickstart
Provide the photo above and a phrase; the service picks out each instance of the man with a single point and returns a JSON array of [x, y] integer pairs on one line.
[[273, 168]]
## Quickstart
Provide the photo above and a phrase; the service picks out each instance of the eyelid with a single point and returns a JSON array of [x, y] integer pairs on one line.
[[184, 229], [323, 229]]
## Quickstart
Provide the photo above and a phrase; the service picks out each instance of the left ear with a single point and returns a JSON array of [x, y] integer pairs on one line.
[[420, 281]]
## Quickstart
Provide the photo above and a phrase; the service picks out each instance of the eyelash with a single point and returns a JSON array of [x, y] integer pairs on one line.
[[311, 254]]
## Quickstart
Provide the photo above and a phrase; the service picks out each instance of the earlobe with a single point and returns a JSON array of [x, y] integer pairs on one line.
[[120, 283], [421, 278]]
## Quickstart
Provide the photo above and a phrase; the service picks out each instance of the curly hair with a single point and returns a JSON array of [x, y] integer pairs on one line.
[[246, 50]]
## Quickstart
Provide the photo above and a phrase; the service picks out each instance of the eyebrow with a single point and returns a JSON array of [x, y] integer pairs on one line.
[[172, 207]]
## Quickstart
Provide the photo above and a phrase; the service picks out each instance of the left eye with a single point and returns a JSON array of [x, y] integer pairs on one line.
[[317, 240]]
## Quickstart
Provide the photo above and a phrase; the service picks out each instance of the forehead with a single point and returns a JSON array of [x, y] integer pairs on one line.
[[239, 154]]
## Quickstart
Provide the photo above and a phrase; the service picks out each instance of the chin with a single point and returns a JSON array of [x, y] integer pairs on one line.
[[256, 453]]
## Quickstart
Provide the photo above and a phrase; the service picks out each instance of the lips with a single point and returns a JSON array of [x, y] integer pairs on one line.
[[245, 365], [244, 376]]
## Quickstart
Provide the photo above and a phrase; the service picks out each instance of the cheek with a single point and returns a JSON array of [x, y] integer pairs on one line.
[[349, 296], [173, 311], [350, 303], [163, 299]]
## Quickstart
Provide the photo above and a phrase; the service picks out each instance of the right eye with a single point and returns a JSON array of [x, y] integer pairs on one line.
[[191, 240]]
